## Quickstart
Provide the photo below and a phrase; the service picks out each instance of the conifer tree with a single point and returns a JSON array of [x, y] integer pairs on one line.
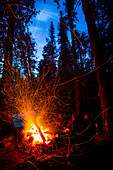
[[14, 25], [97, 50], [47, 66], [65, 61], [71, 15], [15, 43]]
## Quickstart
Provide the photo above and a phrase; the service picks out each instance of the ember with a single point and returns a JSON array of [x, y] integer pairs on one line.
[[39, 135]]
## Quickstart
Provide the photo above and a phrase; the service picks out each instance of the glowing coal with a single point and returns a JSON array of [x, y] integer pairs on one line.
[[39, 135]]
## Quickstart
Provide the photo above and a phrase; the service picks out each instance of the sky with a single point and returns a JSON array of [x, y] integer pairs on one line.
[[41, 23]]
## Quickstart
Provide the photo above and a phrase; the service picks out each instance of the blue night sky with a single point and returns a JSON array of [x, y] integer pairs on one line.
[[41, 23]]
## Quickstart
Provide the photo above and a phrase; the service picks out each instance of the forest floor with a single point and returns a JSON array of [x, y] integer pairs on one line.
[[89, 156]]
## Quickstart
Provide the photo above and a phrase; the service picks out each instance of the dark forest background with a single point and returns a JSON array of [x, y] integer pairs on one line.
[[81, 67]]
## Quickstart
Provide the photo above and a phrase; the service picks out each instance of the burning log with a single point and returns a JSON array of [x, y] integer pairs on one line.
[[38, 134], [39, 130]]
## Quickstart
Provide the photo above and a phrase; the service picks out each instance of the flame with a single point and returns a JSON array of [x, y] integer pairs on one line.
[[37, 137]]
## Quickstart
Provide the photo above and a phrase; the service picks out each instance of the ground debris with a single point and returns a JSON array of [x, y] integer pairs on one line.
[[24, 150]]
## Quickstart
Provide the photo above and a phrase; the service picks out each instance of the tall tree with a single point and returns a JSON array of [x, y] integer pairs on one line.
[[65, 61], [97, 49], [71, 14], [8, 39], [47, 67], [14, 44], [83, 67], [65, 68], [15, 18]]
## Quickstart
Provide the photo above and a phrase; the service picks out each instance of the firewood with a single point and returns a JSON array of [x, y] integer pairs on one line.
[[7, 139], [6, 145], [40, 132]]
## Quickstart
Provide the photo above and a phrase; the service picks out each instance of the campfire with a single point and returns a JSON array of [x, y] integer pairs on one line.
[[39, 135], [33, 131], [39, 128]]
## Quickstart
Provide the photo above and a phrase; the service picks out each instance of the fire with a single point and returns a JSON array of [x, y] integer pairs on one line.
[[39, 135]]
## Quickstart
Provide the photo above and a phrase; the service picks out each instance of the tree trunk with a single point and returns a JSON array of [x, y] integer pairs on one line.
[[100, 72], [28, 56], [7, 67], [77, 88]]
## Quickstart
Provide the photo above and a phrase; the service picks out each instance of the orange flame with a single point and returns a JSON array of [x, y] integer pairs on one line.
[[34, 132]]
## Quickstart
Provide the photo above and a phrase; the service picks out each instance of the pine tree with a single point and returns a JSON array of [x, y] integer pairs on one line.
[[14, 46], [102, 14], [47, 66], [71, 15], [65, 61], [14, 23], [97, 49]]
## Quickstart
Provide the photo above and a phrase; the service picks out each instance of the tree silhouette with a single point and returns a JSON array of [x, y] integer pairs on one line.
[[97, 49], [47, 66], [71, 15], [65, 61], [16, 46], [14, 24]]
